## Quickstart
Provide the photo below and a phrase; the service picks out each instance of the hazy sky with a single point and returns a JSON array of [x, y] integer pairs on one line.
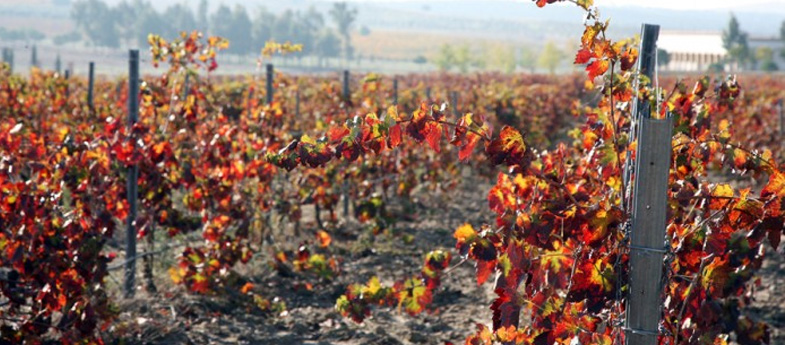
[[698, 4], [759, 5]]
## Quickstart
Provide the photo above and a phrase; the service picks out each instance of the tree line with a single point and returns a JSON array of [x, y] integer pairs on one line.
[[129, 23]]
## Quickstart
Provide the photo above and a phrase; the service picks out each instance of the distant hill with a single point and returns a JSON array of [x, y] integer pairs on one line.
[[515, 18]]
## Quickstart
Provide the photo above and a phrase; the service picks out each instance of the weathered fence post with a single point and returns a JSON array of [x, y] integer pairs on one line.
[[346, 93], [90, 83], [270, 83], [395, 91], [133, 173], [649, 206]]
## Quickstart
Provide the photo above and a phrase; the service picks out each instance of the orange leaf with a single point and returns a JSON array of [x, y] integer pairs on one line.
[[324, 238], [246, 288]]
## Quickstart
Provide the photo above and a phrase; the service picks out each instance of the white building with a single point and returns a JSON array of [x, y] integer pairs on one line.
[[696, 51], [691, 51]]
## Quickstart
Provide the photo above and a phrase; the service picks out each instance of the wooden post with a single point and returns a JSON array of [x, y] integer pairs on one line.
[[270, 83], [90, 83], [649, 218], [395, 91], [346, 92], [133, 173], [428, 94]]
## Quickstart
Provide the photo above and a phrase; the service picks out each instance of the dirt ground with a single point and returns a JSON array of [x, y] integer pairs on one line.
[[175, 317]]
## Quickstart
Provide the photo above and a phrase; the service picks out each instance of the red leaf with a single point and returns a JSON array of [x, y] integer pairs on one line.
[[583, 56], [508, 148], [433, 135], [597, 68], [395, 136]]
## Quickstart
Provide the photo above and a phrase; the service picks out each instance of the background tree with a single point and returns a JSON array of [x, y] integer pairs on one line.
[[735, 42], [95, 19], [782, 38], [344, 18], [503, 59], [765, 56], [179, 18], [550, 58], [221, 23], [240, 39], [262, 30], [149, 21], [312, 25], [528, 59], [125, 16], [202, 16], [445, 58], [463, 59], [663, 57], [328, 46]]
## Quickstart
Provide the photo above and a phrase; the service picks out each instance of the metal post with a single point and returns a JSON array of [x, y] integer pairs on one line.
[[133, 173], [346, 93], [249, 103], [649, 207], [67, 76], [270, 83], [185, 87], [90, 83]]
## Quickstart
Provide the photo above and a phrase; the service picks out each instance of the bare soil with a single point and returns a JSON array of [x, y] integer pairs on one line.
[[173, 316]]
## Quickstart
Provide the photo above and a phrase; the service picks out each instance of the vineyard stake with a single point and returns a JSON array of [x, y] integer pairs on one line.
[[346, 93], [133, 173], [185, 87], [90, 83], [67, 76], [269, 83], [249, 103], [649, 218]]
